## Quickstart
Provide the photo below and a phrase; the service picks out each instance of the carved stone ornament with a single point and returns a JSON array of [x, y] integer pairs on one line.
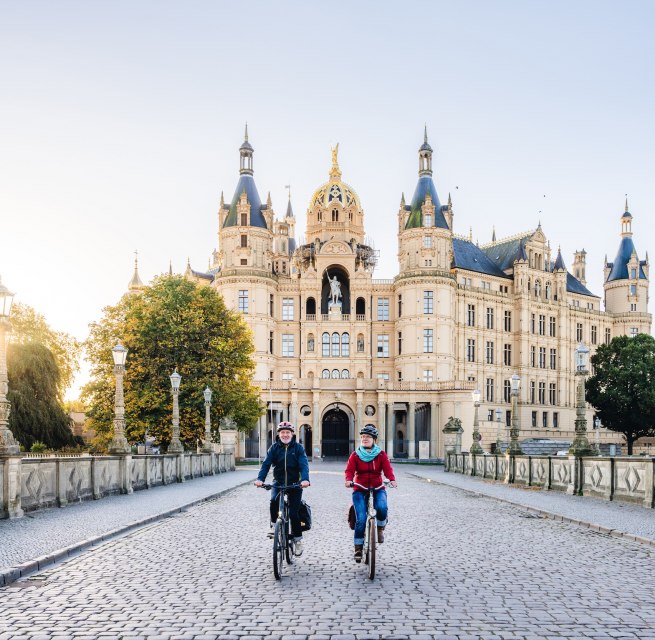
[[336, 248]]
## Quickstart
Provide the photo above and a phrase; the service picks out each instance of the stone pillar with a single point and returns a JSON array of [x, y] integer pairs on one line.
[[434, 430], [10, 491], [382, 435], [359, 423], [317, 435], [125, 466], [294, 409], [411, 431], [391, 430]]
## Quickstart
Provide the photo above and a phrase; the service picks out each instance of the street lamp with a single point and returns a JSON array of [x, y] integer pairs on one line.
[[475, 447], [207, 446], [597, 426], [8, 444], [119, 444], [176, 446], [581, 446], [499, 414], [514, 448]]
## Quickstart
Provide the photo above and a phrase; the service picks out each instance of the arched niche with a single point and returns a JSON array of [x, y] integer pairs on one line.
[[344, 280]]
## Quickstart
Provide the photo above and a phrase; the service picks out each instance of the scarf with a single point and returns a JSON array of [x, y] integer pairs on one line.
[[367, 456]]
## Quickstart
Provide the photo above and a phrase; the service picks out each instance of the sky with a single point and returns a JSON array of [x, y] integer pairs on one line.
[[120, 124]]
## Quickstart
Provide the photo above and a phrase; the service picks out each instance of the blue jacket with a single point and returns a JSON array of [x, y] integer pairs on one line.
[[289, 462]]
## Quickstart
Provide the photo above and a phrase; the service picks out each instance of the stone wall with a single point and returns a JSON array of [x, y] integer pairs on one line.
[[40, 482], [624, 479]]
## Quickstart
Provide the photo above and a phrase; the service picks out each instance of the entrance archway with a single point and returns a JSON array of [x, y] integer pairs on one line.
[[336, 434]]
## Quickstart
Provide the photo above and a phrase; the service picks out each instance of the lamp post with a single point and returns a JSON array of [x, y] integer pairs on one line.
[[8, 444], [207, 445], [581, 446], [499, 414], [597, 426], [176, 446], [475, 447], [119, 444], [514, 448]]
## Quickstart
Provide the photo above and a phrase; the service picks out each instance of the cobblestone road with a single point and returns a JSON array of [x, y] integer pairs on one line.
[[453, 565]]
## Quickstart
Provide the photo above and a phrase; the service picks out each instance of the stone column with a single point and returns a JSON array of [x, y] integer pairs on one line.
[[382, 432], [294, 409], [434, 430], [317, 436], [411, 431], [359, 423], [391, 431]]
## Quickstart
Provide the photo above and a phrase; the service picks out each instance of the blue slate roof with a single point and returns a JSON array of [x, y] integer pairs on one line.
[[424, 187], [246, 183], [470, 257], [573, 285], [504, 254], [620, 265]]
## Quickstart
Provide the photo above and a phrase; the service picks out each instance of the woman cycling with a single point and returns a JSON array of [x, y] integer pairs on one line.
[[365, 467]]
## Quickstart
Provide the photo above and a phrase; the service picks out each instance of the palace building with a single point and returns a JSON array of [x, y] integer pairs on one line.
[[336, 348]]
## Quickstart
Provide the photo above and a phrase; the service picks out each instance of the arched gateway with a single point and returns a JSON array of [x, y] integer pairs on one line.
[[336, 434]]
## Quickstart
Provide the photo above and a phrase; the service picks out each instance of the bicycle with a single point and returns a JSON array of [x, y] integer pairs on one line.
[[282, 544], [370, 530]]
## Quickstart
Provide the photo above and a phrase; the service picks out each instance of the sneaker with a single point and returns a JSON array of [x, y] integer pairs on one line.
[[358, 552], [297, 547], [380, 535]]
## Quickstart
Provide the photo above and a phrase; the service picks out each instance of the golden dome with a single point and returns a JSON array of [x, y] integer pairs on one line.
[[335, 190]]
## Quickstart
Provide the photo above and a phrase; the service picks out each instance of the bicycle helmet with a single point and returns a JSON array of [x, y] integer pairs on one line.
[[286, 425], [369, 430]]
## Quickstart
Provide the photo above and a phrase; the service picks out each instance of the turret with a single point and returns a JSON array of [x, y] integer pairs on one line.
[[135, 285], [580, 266]]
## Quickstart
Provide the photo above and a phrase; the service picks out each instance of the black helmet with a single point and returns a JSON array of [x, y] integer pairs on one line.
[[286, 425], [369, 430]]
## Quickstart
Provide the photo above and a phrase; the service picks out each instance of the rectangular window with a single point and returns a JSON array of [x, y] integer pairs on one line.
[[485, 285], [608, 336], [555, 419], [470, 350], [383, 308], [400, 306], [508, 321], [633, 331], [287, 308], [542, 393], [633, 289], [552, 393], [287, 345], [552, 322], [533, 323], [244, 262], [594, 334], [243, 300], [427, 340], [400, 342], [427, 375], [507, 355], [383, 376], [508, 418], [542, 325], [470, 315], [325, 345], [490, 317], [534, 418], [244, 219], [544, 419], [489, 390], [427, 242], [244, 241], [490, 353], [507, 391], [428, 219], [542, 357], [553, 358], [428, 300], [383, 346], [533, 391], [533, 356], [270, 305], [270, 342], [633, 273], [578, 332], [287, 375]]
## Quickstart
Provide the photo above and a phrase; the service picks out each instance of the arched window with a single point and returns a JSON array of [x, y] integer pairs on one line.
[[335, 215], [310, 307], [345, 374], [320, 216], [360, 307], [310, 342], [345, 344], [325, 341], [335, 374], [335, 345], [325, 373]]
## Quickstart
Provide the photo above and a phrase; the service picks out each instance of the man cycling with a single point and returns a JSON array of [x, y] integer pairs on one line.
[[290, 466]]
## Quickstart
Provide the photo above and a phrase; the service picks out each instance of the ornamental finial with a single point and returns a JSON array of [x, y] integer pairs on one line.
[[335, 172]]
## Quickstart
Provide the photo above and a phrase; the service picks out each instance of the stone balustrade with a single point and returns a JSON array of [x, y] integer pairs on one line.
[[32, 483], [622, 479]]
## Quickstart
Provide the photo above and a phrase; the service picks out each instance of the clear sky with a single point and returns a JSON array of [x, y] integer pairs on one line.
[[120, 124]]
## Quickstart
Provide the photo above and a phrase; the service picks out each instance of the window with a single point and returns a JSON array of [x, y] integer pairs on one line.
[[287, 308], [335, 374], [533, 356], [399, 376], [633, 306], [335, 215], [490, 415], [533, 390], [470, 316], [325, 373], [634, 331], [287, 345], [383, 346], [271, 300], [270, 342], [428, 219], [507, 355], [466, 282], [243, 300], [542, 393], [244, 262], [553, 358], [427, 340], [503, 288], [594, 334], [542, 357], [310, 342], [507, 391], [485, 285], [544, 419], [400, 306], [555, 419], [490, 352], [633, 273], [508, 321], [542, 325], [578, 332], [244, 241], [490, 318], [552, 324], [400, 342], [608, 336], [534, 418], [428, 300], [533, 323], [383, 376], [427, 375], [489, 390], [383, 308], [470, 350], [552, 393], [633, 289], [345, 374], [427, 242], [287, 375], [244, 219], [345, 345], [325, 345], [335, 345], [508, 418]]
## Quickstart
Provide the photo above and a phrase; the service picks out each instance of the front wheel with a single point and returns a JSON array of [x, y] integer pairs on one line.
[[289, 549], [370, 556], [279, 544]]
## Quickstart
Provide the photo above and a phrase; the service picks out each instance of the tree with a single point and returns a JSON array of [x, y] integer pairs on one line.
[[36, 413], [622, 389], [29, 326], [172, 324]]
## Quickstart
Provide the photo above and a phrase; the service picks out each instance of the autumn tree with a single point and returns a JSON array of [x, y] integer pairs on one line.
[[173, 324], [622, 389]]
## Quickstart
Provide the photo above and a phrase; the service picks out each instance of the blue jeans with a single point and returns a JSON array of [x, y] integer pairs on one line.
[[295, 498], [360, 500]]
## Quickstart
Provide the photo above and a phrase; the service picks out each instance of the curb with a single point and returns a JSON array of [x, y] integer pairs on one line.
[[614, 533], [12, 574]]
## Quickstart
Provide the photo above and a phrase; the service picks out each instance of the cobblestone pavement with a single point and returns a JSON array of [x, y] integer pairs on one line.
[[43, 532], [629, 518], [454, 566]]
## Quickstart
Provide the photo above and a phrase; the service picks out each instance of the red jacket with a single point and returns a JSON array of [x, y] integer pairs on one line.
[[368, 474]]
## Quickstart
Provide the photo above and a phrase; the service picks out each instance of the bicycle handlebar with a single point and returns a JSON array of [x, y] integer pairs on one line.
[[382, 486], [283, 487]]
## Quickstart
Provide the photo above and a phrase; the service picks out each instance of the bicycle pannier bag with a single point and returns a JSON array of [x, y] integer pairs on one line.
[[352, 518], [305, 514]]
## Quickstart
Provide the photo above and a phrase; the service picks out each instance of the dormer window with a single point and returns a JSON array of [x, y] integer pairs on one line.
[[244, 219], [428, 219], [633, 273]]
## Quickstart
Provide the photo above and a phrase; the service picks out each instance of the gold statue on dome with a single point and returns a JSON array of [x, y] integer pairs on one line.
[[335, 172]]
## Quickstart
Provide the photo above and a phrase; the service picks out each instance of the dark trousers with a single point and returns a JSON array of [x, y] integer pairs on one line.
[[295, 498]]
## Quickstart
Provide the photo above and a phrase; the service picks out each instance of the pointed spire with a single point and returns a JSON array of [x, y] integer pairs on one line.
[[269, 202], [450, 201], [626, 204], [135, 283], [470, 234], [170, 267], [246, 134], [425, 156], [222, 200], [425, 133], [245, 151], [402, 200], [493, 234], [559, 262]]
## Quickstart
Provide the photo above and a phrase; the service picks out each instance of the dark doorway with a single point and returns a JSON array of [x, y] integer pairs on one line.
[[308, 441], [252, 444], [336, 431]]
